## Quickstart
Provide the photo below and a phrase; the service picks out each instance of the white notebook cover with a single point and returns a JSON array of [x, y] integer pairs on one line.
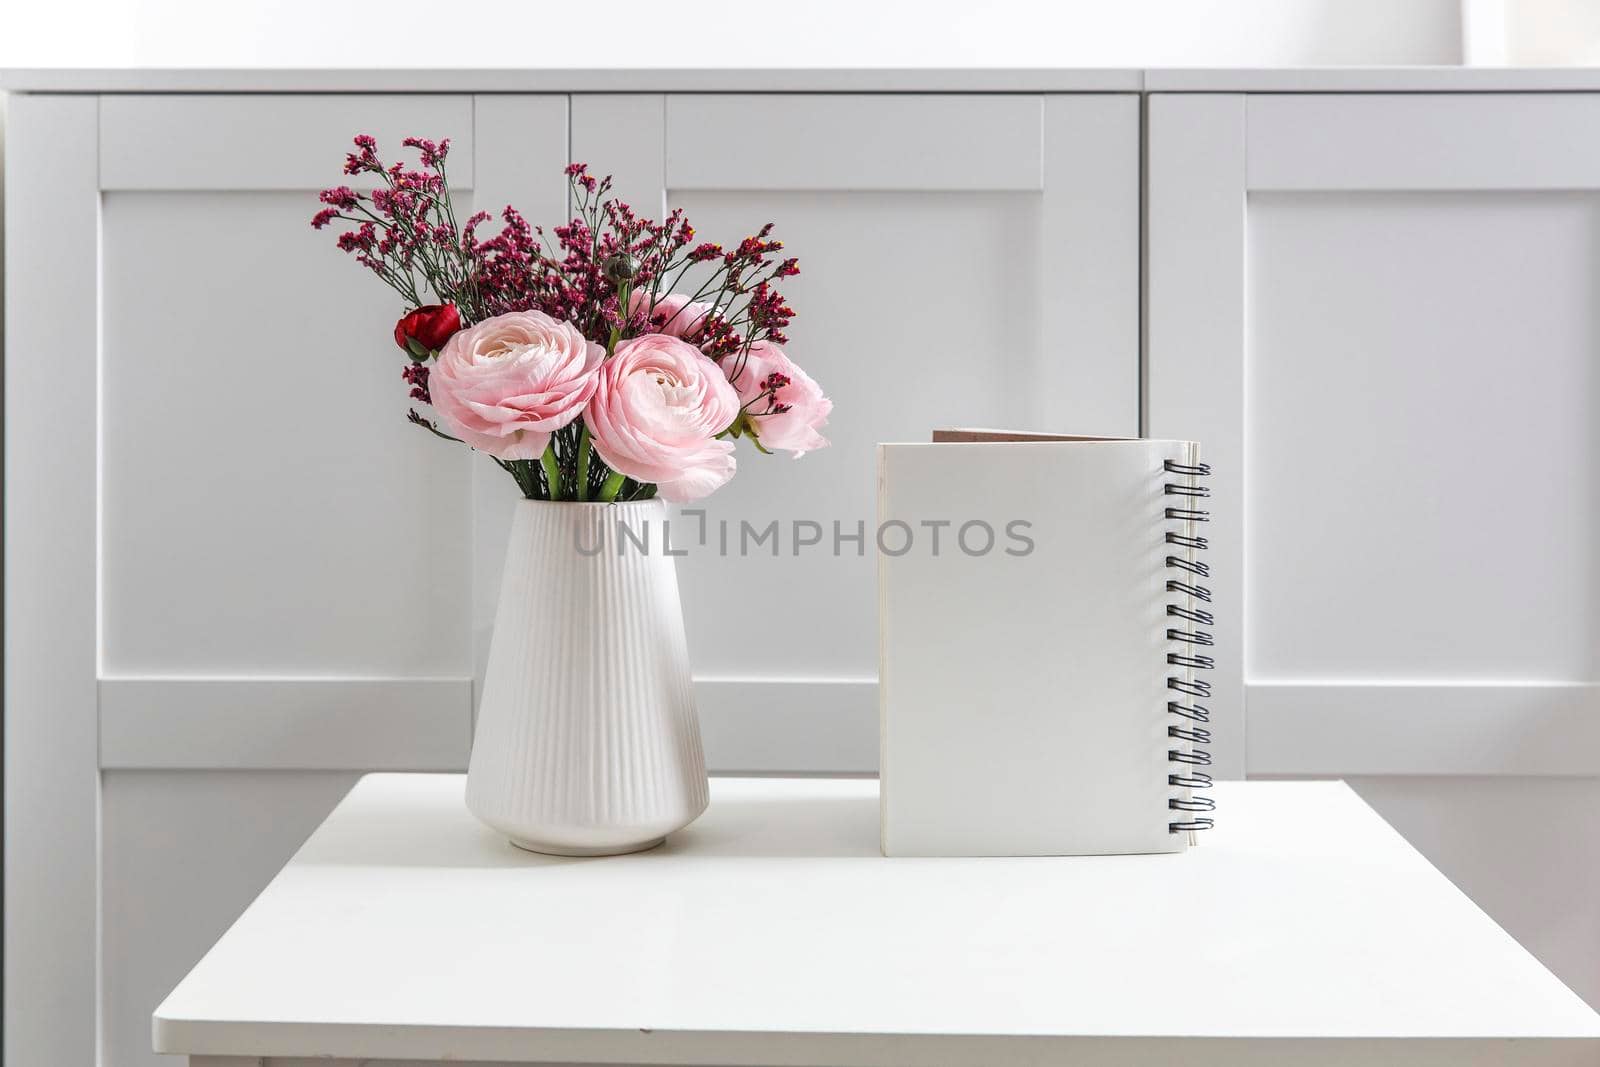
[[1023, 697]]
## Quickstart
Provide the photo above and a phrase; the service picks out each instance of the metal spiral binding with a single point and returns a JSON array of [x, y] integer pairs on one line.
[[1191, 731]]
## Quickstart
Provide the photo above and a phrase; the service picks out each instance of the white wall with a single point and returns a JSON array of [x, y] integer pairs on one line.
[[1531, 33], [731, 33], [1552, 32]]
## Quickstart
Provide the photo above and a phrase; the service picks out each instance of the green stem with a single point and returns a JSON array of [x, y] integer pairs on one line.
[[608, 491], [552, 472], [583, 463], [624, 291]]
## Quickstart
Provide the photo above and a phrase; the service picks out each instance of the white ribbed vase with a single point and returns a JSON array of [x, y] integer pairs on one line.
[[587, 742]]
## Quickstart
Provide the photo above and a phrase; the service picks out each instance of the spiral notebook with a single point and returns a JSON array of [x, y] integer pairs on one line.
[[1043, 638]]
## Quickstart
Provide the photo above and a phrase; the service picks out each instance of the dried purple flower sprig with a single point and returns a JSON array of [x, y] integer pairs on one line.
[[405, 232], [405, 229], [606, 271]]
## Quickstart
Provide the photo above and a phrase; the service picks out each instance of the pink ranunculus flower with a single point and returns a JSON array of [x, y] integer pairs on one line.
[[656, 414], [504, 384], [673, 314], [799, 409]]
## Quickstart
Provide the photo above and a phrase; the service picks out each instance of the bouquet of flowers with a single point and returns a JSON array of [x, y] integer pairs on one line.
[[617, 363]]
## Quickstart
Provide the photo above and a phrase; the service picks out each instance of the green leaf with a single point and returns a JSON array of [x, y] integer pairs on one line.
[[552, 471], [755, 435]]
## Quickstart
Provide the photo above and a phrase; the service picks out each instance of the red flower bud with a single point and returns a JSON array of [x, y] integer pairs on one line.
[[429, 327]]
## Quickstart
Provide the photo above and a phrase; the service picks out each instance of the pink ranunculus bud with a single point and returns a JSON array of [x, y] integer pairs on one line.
[[505, 384], [656, 413], [795, 409], [673, 314]]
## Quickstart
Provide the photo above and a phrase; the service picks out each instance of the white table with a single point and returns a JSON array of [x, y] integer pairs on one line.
[[772, 932]]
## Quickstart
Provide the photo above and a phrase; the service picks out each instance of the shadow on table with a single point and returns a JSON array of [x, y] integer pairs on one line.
[[813, 828], [401, 832]]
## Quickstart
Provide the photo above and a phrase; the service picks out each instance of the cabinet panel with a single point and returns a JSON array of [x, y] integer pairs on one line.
[[894, 366], [1423, 381], [1377, 313], [265, 507], [965, 261]]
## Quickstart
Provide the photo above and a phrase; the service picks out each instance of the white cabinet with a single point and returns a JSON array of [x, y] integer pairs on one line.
[[236, 576], [1378, 313]]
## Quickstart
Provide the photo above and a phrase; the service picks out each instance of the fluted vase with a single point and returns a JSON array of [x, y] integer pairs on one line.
[[587, 742]]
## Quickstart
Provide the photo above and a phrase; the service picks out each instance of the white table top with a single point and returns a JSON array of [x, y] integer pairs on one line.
[[771, 931]]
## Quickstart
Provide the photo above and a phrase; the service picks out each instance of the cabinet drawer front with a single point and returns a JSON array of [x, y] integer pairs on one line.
[[969, 143], [267, 142], [1422, 142]]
